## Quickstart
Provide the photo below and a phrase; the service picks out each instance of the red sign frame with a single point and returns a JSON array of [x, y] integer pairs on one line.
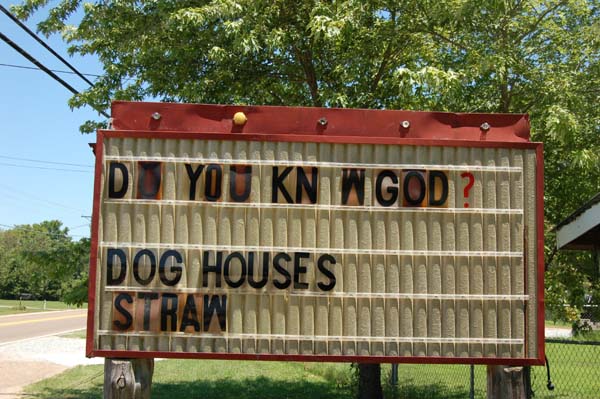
[[320, 125]]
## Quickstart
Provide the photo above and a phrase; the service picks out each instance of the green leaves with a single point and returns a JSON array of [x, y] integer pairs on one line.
[[39, 258], [533, 56], [561, 124]]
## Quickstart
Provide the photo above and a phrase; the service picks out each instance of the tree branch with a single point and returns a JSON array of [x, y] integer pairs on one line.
[[539, 20], [385, 58], [306, 61], [448, 40], [529, 105], [431, 31]]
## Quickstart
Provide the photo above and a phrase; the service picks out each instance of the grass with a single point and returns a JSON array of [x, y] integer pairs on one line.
[[593, 335], [213, 379], [81, 334], [14, 306], [574, 374], [437, 381]]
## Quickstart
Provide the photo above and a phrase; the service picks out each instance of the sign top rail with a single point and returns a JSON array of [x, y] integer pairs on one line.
[[332, 122]]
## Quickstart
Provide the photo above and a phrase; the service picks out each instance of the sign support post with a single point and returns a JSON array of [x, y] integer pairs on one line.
[[128, 378], [505, 382]]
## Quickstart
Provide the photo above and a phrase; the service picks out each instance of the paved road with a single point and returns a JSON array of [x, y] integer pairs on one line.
[[30, 325]]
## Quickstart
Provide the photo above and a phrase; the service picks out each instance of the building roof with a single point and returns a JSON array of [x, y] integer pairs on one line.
[[581, 229]]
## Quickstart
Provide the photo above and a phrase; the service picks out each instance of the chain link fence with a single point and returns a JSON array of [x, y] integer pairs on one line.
[[574, 370], [574, 373]]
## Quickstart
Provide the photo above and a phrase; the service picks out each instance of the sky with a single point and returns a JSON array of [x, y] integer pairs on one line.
[[36, 123]]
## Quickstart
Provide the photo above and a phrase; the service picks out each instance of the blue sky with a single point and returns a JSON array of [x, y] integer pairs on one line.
[[36, 123]]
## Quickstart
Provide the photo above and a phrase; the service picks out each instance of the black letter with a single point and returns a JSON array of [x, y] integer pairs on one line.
[[265, 270], [240, 257], [128, 319], [391, 189], [174, 268], [299, 269], [206, 268], [168, 311], [110, 254], [277, 184], [149, 180], [356, 178], [288, 278], [192, 320], [302, 181], [213, 305], [414, 201], [148, 297], [328, 273], [112, 193], [235, 172], [210, 193], [136, 266], [444, 196], [194, 176]]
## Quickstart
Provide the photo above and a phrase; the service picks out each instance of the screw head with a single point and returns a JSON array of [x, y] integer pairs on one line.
[[239, 118], [405, 124], [485, 126], [156, 116], [323, 121]]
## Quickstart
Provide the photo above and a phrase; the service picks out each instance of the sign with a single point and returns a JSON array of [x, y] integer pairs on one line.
[[316, 234]]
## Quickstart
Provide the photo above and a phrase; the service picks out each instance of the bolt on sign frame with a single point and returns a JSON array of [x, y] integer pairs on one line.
[[312, 234]]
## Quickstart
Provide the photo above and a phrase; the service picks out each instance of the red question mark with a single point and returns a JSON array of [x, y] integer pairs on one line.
[[468, 186]]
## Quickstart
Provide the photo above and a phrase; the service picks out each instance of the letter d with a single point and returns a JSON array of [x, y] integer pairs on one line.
[[112, 193], [111, 253]]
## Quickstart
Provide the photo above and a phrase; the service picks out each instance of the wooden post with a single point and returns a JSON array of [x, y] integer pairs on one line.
[[505, 382], [128, 378], [369, 381]]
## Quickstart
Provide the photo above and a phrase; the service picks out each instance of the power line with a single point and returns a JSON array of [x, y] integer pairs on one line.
[[80, 226], [44, 168], [46, 46], [27, 196], [46, 162], [43, 68], [37, 63], [32, 206], [53, 70]]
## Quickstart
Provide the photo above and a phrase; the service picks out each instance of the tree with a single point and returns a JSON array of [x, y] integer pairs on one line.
[[74, 287], [13, 267], [535, 56], [41, 259]]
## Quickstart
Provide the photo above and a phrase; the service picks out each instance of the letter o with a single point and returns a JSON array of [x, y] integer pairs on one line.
[[227, 267], [136, 266], [407, 189]]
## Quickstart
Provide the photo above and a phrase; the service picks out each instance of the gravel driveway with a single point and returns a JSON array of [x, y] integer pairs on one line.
[[25, 362]]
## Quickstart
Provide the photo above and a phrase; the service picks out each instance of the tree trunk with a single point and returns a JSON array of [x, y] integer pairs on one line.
[[369, 381], [505, 382], [128, 378]]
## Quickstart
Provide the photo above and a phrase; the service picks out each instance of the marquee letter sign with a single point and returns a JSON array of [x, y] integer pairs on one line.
[[316, 234]]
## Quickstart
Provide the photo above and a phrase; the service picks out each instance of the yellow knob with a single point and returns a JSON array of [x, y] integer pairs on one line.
[[239, 118]]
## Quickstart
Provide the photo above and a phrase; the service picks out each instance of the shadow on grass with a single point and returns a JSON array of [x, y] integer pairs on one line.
[[431, 391], [261, 387], [65, 393]]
